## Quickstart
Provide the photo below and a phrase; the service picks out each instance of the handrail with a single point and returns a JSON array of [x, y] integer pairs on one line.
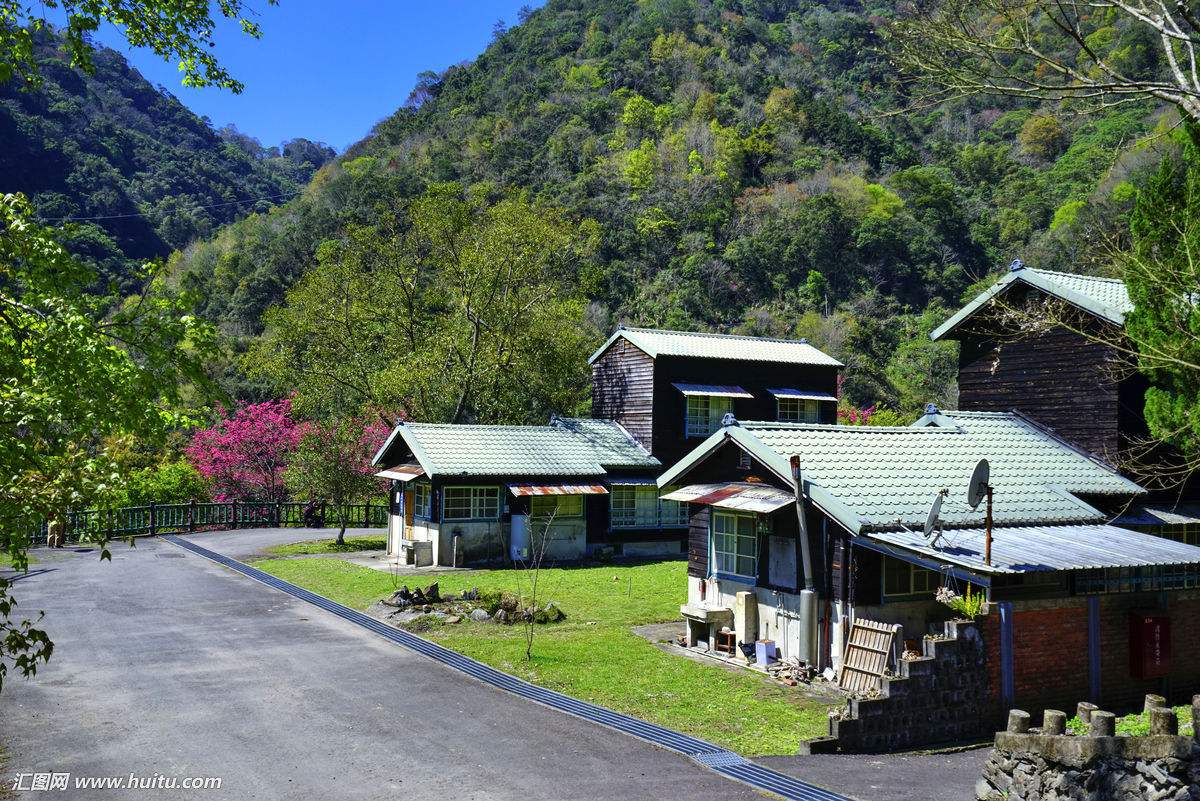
[[155, 518]]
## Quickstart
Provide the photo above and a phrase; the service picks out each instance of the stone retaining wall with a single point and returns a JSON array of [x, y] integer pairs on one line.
[[939, 697], [1047, 764]]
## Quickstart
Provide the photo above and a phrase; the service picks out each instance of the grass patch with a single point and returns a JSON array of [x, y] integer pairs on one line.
[[1137, 724], [593, 654], [351, 545], [7, 562]]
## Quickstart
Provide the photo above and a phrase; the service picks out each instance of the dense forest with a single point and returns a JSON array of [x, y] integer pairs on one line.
[[757, 166], [140, 173]]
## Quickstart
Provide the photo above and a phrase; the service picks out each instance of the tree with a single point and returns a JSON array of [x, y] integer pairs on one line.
[[170, 28], [244, 454], [464, 311], [1100, 52], [80, 370], [332, 462]]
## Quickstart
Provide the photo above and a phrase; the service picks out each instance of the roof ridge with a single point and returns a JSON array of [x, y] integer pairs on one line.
[[1076, 275], [760, 425], [716, 335]]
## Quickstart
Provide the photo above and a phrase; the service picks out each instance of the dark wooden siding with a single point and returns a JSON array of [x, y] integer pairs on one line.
[[1060, 379], [866, 579], [623, 390], [670, 405], [698, 541]]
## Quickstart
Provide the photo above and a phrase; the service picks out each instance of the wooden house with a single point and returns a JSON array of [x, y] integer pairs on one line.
[[1066, 377], [463, 494], [671, 389], [1056, 569]]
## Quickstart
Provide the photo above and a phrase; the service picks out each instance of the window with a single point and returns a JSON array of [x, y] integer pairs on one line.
[[561, 507], [744, 461], [420, 495], [901, 578], [672, 513], [799, 410], [1101, 581], [735, 542], [471, 503], [704, 413], [638, 506]]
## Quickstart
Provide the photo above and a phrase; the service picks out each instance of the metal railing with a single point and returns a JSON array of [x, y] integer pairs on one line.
[[166, 518]]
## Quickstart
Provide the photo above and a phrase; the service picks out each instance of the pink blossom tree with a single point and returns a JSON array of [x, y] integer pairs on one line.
[[244, 454], [332, 462]]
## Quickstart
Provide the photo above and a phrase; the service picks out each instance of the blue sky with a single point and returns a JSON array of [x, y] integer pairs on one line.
[[329, 70]]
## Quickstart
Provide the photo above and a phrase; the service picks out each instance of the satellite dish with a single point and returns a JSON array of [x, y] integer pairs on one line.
[[977, 487], [935, 511]]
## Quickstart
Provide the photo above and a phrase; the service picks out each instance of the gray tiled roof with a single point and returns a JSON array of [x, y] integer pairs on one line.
[[656, 342], [870, 477], [1106, 298], [570, 448]]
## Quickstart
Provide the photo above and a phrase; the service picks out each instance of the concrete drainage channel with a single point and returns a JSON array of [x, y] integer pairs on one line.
[[725, 762]]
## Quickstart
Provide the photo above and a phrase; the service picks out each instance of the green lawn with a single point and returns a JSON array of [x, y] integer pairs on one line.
[[330, 546], [6, 559], [593, 655]]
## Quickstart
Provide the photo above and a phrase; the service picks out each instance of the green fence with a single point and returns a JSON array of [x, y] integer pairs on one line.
[[173, 518]]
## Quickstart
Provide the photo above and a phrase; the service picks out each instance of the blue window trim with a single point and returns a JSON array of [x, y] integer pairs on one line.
[[428, 516]]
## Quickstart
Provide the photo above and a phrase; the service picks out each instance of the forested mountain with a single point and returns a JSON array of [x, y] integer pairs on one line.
[[753, 165], [145, 174]]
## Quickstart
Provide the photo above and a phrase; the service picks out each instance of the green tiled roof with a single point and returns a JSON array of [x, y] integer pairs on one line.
[[870, 477], [1106, 298], [610, 442], [656, 342], [569, 448]]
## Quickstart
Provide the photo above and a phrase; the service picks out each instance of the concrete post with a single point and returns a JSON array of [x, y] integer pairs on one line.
[[1163, 721], [1054, 722], [1196, 717], [1018, 721], [1104, 724], [745, 617], [1154, 702], [1084, 711]]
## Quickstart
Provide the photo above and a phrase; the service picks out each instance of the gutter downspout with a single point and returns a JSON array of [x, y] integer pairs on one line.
[[805, 554], [810, 649]]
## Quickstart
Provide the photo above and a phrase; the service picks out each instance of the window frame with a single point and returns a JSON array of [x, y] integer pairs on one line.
[[806, 410], [474, 505], [921, 581], [721, 556], [427, 488], [692, 420], [559, 515]]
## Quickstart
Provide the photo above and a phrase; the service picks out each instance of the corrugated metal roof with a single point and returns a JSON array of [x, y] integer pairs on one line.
[[1028, 549], [803, 394], [522, 490], [713, 389], [741, 496], [657, 342], [567, 448], [873, 477], [1106, 298], [403, 472], [1183, 514]]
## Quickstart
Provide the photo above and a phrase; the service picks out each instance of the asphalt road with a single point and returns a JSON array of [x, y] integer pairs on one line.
[[166, 663]]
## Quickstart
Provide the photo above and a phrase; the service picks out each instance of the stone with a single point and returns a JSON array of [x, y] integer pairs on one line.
[[1054, 722], [1018, 721], [1154, 702], [426, 608], [1084, 711], [501, 616], [431, 594], [454, 619], [1103, 724], [1163, 720], [480, 615]]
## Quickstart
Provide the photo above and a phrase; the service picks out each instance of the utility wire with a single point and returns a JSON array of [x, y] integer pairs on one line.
[[193, 208]]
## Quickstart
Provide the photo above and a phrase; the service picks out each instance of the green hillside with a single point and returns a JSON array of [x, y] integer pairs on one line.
[[753, 165], [147, 175]]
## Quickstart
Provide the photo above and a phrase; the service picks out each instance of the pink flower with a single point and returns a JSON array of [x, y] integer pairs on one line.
[[244, 454]]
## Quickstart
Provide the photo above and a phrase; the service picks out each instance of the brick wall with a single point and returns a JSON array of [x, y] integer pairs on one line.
[[1050, 652]]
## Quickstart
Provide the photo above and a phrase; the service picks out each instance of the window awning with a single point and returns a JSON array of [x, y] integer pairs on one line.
[[403, 472], [643, 481], [803, 394], [734, 495], [521, 490], [713, 390]]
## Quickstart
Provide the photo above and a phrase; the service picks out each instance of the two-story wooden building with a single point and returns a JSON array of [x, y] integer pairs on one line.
[[1044, 343]]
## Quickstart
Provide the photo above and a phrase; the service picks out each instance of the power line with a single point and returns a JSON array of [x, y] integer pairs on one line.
[[193, 208]]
